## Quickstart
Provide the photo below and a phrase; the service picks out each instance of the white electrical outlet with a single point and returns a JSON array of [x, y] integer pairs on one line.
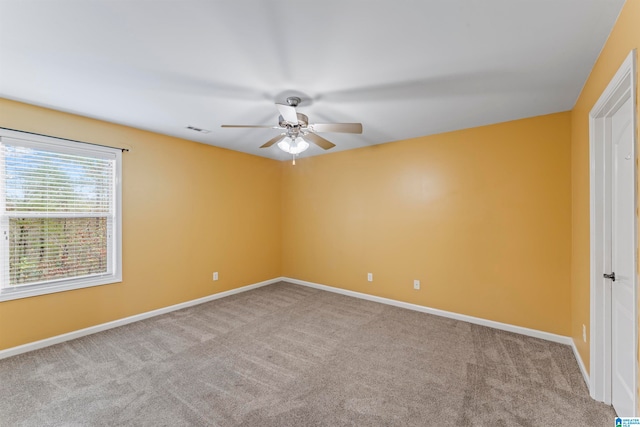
[[584, 333], [215, 275], [370, 277], [416, 284]]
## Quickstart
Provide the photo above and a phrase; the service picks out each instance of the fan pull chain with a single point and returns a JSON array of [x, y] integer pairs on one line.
[[294, 160]]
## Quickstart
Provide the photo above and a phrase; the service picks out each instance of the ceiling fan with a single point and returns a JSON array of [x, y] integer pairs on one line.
[[298, 132]]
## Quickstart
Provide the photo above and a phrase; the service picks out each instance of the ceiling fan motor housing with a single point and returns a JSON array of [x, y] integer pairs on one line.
[[303, 121]]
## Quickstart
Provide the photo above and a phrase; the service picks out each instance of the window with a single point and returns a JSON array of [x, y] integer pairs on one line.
[[60, 215]]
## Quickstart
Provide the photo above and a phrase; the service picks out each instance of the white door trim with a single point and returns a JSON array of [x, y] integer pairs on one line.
[[622, 86]]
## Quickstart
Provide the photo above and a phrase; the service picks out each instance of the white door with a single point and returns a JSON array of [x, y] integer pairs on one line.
[[622, 260], [613, 237]]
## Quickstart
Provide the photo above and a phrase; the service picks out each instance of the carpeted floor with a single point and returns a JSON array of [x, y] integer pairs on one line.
[[288, 355]]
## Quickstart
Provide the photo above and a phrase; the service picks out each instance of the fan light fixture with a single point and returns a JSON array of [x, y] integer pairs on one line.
[[293, 146]]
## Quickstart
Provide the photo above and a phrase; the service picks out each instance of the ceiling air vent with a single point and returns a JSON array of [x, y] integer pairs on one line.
[[198, 129]]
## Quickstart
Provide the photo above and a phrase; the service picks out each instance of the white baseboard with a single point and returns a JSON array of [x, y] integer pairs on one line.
[[13, 351], [585, 375], [120, 322], [475, 320]]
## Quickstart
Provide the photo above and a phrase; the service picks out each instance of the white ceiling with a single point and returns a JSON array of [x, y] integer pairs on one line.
[[403, 68]]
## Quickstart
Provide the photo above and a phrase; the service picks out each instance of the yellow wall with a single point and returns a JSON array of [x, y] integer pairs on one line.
[[189, 210], [480, 216], [624, 37]]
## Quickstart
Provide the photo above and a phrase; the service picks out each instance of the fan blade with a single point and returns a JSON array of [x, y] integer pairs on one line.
[[272, 141], [248, 126], [319, 141], [288, 113], [336, 127]]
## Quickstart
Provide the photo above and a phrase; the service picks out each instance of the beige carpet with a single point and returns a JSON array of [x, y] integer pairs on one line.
[[287, 355]]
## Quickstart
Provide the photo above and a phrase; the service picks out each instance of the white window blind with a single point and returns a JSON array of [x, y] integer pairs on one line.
[[60, 215]]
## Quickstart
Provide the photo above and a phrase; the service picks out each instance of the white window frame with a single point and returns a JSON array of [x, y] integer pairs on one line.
[[114, 274]]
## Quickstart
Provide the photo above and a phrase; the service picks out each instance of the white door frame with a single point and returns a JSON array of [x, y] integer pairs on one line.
[[621, 87]]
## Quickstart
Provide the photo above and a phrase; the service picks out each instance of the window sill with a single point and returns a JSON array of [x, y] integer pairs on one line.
[[68, 285]]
